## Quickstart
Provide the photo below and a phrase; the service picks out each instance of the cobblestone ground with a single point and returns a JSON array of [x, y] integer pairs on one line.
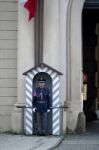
[[87, 141]]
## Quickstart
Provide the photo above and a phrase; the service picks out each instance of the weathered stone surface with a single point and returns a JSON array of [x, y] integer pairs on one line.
[[80, 128]]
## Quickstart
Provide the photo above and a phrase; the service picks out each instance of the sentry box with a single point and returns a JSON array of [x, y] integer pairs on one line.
[[52, 77]]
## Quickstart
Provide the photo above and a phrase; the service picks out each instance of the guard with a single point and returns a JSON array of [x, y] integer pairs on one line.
[[41, 106]]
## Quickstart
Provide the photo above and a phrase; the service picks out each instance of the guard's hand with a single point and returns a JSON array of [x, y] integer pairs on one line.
[[34, 109], [48, 110]]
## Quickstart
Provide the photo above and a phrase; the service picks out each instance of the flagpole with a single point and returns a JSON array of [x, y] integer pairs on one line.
[[39, 32]]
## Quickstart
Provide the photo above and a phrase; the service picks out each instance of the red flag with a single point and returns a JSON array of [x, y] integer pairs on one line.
[[31, 6]]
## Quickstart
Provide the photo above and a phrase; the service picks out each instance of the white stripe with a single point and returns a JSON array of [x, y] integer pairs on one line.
[[30, 75], [28, 131], [29, 123], [49, 72], [56, 123], [28, 80], [29, 102], [56, 87], [56, 94], [28, 116], [35, 72], [27, 105], [55, 102], [29, 110], [45, 69], [29, 88], [55, 109], [53, 75], [29, 95], [55, 80], [56, 116], [39, 69], [56, 131]]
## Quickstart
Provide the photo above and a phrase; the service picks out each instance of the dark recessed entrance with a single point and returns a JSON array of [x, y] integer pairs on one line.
[[90, 30]]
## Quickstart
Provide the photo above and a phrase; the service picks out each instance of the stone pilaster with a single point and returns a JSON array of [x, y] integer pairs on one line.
[[54, 52], [25, 60], [75, 101]]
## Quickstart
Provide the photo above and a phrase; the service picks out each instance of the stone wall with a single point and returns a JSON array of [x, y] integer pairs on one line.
[[8, 57]]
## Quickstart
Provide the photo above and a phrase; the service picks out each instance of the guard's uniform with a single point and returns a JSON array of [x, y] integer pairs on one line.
[[41, 101]]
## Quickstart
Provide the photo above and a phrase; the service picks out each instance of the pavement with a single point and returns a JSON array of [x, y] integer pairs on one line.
[[24, 142], [86, 141]]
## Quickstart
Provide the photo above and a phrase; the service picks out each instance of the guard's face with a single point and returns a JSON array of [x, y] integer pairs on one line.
[[41, 84]]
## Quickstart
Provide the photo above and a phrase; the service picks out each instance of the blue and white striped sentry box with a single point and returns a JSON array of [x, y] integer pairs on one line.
[[55, 77]]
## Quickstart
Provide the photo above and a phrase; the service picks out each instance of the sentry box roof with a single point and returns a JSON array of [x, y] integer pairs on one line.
[[42, 66]]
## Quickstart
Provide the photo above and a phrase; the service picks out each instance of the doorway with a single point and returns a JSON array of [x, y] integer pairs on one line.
[[49, 86], [90, 23]]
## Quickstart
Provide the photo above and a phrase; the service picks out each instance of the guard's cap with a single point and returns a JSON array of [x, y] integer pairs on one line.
[[41, 79]]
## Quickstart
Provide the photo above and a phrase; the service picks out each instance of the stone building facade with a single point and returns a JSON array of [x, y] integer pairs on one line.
[[62, 49]]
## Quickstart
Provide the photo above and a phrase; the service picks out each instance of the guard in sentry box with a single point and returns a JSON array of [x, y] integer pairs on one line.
[[41, 105]]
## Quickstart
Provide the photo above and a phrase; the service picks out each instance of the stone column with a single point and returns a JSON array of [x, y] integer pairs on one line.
[[25, 60], [54, 52], [55, 37], [75, 66], [51, 33]]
